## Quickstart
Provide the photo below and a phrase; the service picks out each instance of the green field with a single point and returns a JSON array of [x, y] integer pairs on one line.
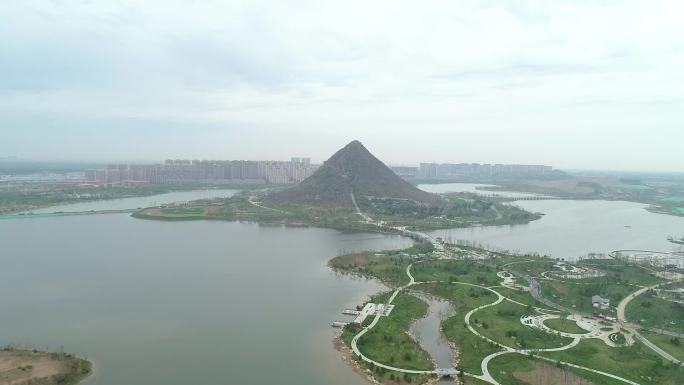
[[501, 323], [388, 342], [534, 268], [390, 269], [564, 325], [672, 345], [523, 297], [652, 312], [578, 296], [636, 362], [519, 369], [466, 270]]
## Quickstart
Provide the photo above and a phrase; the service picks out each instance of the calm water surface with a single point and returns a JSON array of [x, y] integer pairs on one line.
[[212, 302], [140, 202], [442, 188], [202, 303], [428, 332], [573, 228]]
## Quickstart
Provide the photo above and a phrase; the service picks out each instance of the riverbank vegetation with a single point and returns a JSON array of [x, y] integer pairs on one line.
[[392, 212], [23, 366], [388, 266], [464, 298], [663, 194], [18, 199], [389, 342]]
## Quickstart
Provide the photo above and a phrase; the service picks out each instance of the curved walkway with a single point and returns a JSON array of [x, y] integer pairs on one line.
[[486, 375], [633, 328]]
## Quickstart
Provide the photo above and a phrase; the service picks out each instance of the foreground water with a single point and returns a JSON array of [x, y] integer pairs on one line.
[[213, 302], [202, 303]]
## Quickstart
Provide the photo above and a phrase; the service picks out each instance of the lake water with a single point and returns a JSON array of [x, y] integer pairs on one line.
[[428, 332], [442, 188], [140, 202], [212, 302], [202, 303], [574, 228]]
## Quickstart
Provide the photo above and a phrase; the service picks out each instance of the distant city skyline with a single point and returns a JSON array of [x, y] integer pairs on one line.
[[576, 85]]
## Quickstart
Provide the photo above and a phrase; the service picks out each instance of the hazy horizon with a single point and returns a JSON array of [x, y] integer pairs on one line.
[[574, 85]]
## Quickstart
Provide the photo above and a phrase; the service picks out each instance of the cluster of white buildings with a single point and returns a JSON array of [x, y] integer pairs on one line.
[[212, 171], [455, 170]]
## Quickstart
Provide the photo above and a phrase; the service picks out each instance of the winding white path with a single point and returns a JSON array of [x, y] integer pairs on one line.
[[633, 328], [486, 375]]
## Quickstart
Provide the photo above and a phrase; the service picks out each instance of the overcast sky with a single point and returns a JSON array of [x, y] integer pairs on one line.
[[573, 84]]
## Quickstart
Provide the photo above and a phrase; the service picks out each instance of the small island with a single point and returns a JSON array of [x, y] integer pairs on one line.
[[29, 366]]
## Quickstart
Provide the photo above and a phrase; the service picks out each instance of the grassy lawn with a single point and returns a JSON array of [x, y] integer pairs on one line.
[[672, 345], [578, 296], [501, 323], [520, 296], [182, 211], [621, 272], [564, 325], [388, 342], [534, 268], [465, 380], [519, 369], [636, 362], [650, 311], [456, 271], [390, 269], [472, 349]]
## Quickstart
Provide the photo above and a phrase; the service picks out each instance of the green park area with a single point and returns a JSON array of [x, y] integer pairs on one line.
[[388, 342], [249, 207], [501, 323], [636, 362], [650, 311], [488, 327], [564, 325]]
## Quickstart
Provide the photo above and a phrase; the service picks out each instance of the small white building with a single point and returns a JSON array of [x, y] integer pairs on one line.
[[371, 309], [599, 302]]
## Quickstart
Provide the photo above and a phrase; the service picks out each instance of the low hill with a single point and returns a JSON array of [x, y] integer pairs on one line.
[[351, 170]]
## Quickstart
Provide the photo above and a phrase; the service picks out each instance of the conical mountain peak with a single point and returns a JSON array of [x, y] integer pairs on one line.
[[352, 170]]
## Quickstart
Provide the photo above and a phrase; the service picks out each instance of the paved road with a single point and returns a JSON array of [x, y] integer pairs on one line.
[[254, 202], [623, 320]]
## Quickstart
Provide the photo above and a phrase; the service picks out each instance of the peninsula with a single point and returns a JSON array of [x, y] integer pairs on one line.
[[30, 366], [351, 181], [519, 319]]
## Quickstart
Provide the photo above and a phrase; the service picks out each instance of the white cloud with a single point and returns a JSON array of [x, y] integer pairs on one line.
[[465, 71]]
